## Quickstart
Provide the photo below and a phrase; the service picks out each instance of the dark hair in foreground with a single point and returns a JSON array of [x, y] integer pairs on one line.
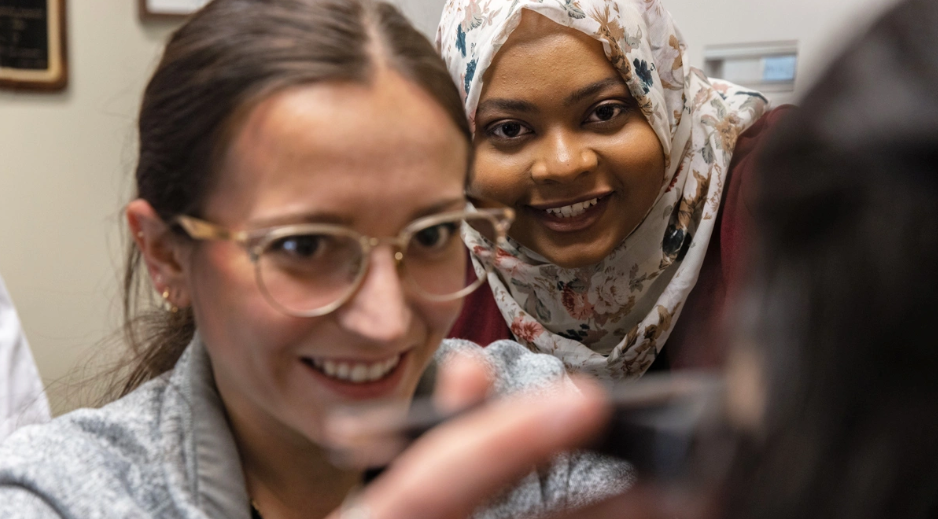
[[226, 59], [847, 289]]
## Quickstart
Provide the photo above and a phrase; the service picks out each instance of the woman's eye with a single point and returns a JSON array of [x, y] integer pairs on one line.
[[436, 237], [508, 130], [606, 112], [300, 246]]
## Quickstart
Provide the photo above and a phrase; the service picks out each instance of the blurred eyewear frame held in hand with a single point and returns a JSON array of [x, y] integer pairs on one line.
[[665, 425], [310, 269]]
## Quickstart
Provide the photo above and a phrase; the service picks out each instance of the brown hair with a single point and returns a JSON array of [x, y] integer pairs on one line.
[[221, 63]]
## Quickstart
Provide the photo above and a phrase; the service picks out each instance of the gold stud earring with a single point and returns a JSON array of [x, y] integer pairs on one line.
[[167, 304]]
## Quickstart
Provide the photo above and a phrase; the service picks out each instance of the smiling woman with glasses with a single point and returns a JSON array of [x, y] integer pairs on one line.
[[299, 213]]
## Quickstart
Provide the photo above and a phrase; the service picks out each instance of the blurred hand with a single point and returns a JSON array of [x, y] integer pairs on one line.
[[455, 467]]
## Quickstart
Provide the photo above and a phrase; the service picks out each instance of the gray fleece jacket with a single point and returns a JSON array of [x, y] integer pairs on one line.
[[166, 451]]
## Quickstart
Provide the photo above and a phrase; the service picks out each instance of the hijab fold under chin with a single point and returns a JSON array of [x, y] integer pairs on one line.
[[611, 319]]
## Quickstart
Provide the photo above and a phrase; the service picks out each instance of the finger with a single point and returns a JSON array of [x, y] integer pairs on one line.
[[462, 381], [455, 467]]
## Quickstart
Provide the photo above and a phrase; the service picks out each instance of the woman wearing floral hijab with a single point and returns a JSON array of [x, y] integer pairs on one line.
[[626, 168]]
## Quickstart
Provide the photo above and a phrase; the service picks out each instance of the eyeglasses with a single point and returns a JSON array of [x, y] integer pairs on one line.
[[308, 270]]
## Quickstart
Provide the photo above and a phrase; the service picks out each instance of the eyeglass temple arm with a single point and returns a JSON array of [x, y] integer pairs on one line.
[[202, 230], [504, 216]]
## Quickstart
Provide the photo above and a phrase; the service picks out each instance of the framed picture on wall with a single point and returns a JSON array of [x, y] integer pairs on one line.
[[33, 45], [168, 9]]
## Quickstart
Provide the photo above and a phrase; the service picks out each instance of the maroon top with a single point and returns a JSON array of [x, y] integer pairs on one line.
[[723, 267]]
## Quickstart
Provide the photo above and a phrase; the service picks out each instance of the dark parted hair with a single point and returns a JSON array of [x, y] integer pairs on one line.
[[847, 286], [222, 62]]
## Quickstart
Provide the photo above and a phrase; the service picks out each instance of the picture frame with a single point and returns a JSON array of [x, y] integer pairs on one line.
[[33, 45], [169, 10]]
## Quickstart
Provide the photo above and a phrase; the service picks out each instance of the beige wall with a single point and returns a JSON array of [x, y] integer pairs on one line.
[[821, 27], [65, 166], [424, 14]]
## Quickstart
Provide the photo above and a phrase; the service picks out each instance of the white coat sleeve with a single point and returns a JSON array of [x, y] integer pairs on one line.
[[22, 397]]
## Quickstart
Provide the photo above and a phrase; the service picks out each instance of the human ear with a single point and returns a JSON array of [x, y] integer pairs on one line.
[[163, 252]]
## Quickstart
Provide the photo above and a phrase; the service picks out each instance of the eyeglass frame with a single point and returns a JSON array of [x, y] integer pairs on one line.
[[255, 242]]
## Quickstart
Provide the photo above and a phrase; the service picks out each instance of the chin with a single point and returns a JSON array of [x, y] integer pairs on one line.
[[573, 256], [574, 260], [572, 250]]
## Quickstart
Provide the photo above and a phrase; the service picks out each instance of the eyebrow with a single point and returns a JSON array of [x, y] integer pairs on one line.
[[592, 89], [452, 204], [299, 218], [508, 105], [517, 105]]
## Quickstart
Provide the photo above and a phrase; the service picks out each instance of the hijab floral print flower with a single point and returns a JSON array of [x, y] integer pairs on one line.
[[611, 319]]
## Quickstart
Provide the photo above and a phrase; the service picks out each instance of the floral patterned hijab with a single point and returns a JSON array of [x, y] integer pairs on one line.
[[612, 318]]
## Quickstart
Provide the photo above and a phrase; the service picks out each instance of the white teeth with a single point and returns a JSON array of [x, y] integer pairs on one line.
[[569, 211], [376, 370], [359, 373], [356, 373]]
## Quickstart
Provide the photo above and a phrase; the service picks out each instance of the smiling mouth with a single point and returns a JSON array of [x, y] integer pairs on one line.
[[572, 217], [573, 210], [352, 371]]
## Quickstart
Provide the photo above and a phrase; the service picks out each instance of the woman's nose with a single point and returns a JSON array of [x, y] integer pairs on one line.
[[562, 158], [379, 311]]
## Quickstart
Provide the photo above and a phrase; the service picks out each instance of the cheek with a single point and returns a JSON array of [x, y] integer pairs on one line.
[[496, 176], [231, 313], [223, 287], [640, 161], [439, 317]]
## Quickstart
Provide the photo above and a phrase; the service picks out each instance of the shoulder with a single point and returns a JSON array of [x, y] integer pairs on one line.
[[749, 142], [515, 368], [693, 342], [480, 320], [767, 122], [571, 480], [106, 453], [587, 477], [735, 219], [124, 426], [20, 502]]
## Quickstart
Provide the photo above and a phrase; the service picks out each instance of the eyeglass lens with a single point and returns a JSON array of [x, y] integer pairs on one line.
[[306, 272]]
